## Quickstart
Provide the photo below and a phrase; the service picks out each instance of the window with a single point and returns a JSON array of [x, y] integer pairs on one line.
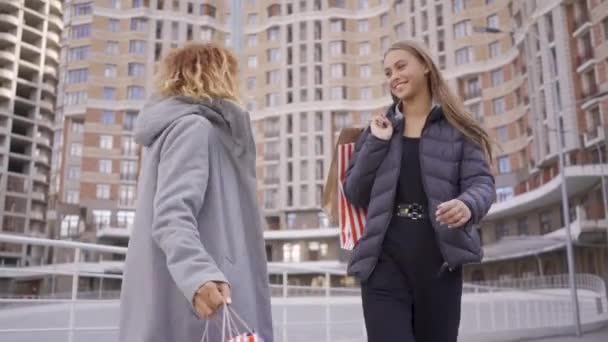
[[115, 4], [497, 77], [78, 75], [174, 30], [72, 197], [522, 226], [319, 146], [77, 126], [365, 71], [337, 70], [273, 77], [76, 149], [109, 93], [363, 25], [138, 3], [363, 4], [106, 142], [129, 121], [69, 224], [504, 193], [74, 172], [81, 9], [504, 164], [274, 55], [342, 120], [113, 25], [125, 219], [272, 99], [206, 34], [129, 148], [400, 30], [366, 93], [128, 170], [107, 117], [319, 170], [251, 83], [252, 40], [136, 93], [494, 49], [110, 71], [365, 49], [498, 105], [336, 25], [103, 191], [112, 48], [138, 24], [337, 93], [252, 19], [137, 70], [545, 222], [502, 134], [501, 230], [101, 218], [464, 55], [137, 46], [105, 166], [384, 20], [80, 31], [75, 97], [385, 43], [460, 5], [605, 26], [462, 29], [252, 62], [79, 53], [493, 21], [337, 48]]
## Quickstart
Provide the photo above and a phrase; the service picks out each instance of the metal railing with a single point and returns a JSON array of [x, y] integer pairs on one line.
[[313, 313]]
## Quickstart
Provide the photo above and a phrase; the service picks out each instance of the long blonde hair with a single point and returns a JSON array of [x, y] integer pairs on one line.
[[202, 71], [452, 105]]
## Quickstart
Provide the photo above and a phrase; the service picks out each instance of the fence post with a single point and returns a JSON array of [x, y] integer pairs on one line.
[[74, 294]]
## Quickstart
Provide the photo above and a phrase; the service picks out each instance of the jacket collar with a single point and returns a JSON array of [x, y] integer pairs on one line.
[[397, 118]]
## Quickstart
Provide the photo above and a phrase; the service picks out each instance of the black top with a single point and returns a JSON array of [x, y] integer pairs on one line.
[[410, 188]]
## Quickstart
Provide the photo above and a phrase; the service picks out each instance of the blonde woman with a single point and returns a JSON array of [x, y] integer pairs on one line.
[[422, 171], [197, 242]]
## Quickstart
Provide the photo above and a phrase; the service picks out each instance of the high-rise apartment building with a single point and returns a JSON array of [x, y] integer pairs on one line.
[[29, 65], [110, 52], [525, 69]]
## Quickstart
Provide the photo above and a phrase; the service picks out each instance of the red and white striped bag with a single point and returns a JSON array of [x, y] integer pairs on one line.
[[230, 330], [351, 220]]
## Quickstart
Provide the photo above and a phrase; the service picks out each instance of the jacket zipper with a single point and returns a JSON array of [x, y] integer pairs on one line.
[[445, 263]]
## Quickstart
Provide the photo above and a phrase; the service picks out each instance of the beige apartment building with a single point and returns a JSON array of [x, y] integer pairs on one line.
[[29, 66], [110, 51], [311, 68]]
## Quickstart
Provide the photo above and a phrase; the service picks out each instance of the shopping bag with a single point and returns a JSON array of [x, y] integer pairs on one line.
[[230, 331], [351, 219]]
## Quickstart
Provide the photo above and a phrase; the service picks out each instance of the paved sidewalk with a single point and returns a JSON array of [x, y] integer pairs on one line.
[[596, 336]]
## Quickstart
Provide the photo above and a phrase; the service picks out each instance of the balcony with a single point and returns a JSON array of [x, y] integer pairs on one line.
[[584, 60], [37, 215], [594, 136], [581, 22]]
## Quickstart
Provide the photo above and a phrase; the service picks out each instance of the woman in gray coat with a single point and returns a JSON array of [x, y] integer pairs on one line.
[[197, 243], [422, 172]]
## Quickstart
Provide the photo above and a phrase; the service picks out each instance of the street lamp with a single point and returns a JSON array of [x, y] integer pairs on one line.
[[564, 190]]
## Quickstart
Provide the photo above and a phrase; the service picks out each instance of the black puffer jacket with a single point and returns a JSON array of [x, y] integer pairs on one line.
[[452, 167]]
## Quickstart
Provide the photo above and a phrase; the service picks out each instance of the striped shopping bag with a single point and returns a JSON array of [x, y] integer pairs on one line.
[[351, 219]]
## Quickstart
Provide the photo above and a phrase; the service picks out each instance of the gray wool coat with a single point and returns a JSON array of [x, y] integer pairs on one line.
[[197, 220], [452, 167]]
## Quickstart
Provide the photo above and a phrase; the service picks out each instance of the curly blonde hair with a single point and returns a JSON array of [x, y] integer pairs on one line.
[[203, 71]]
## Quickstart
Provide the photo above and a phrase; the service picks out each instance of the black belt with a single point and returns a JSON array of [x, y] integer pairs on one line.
[[413, 211]]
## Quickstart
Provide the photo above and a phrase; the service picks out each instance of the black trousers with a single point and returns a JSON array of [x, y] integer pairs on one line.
[[407, 298]]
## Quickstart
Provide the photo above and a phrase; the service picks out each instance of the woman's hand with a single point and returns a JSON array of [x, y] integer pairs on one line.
[[210, 297], [381, 127], [454, 213]]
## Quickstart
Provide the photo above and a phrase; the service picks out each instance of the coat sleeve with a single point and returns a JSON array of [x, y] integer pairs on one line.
[[476, 182], [183, 173], [359, 178]]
